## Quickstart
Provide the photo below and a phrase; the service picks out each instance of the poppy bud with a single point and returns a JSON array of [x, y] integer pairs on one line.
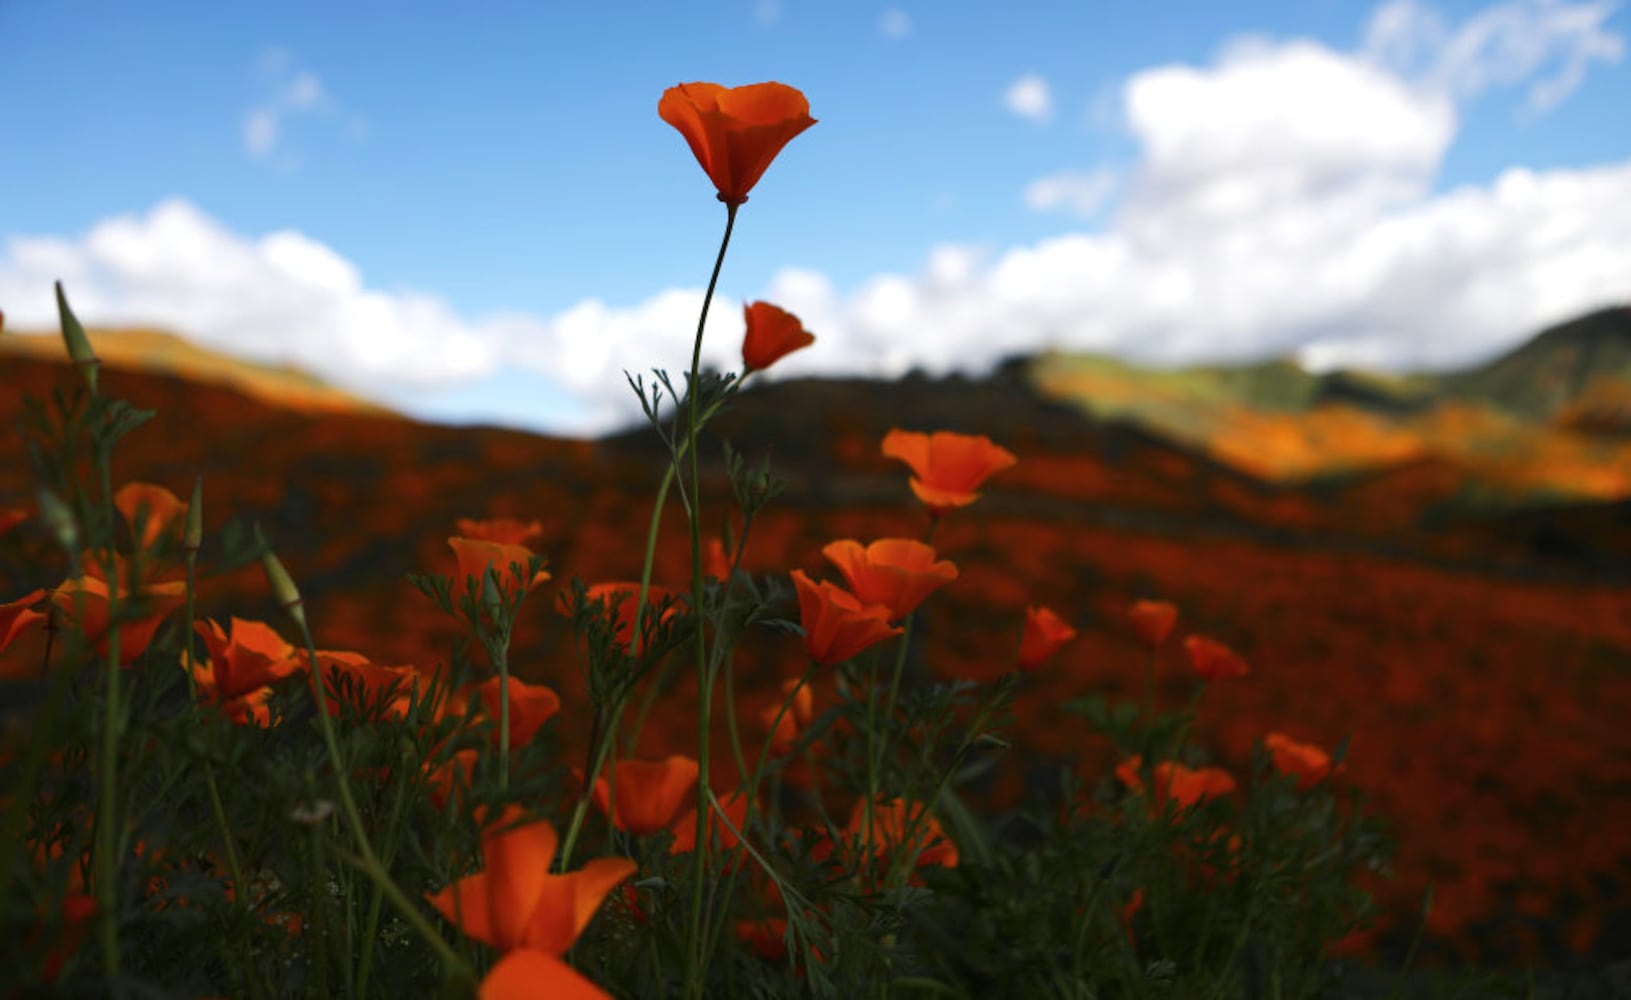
[[79, 345], [283, 588], [59, 520]]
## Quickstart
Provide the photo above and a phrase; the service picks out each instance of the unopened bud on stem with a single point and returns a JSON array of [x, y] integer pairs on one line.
[[79, 345], [283, 588], [58, 519]]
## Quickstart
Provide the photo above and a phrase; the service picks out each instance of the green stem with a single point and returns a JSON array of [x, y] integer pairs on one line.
[[319, 906], [107, 807], [371, 928], [695, 970]]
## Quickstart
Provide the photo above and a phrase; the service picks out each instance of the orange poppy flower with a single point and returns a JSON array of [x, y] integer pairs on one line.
[[162, 510], [890, 819], [508, 562], [442, 780], [1184, 785], [1045, 632], [648, 793], [18, 615], [1153, 621], [836, 624], [503, 530], [715, 561], [947, 467], [369, 683], [531, 705], [155, 602], [620, 598], [243, 665], [685, 828], [798, 715], [772, 334], [735, 132], [514, 902], [1309, 764], [898, 573], [1212, 660], [77, 910], [525, 974]]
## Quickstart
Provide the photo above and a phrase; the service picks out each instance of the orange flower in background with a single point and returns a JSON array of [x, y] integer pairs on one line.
[[442, 780], [735, 132], [476, 555], [947, 467], [1185, 786], [1045, 632], [836, 624], [525, 974], [77, 910], [243, 665], [163, 511], [898, 573], [369, 683], [767, 937], [11, 517], [1153, 621], [890, 819], [647, 793], [153, 603], [716, 562], [502, 530], [798, 715], [531, 705], [772, 334], [685, 828], [1309, 764], [18, 615], [1212, 660], [620, 598], [514, 902]]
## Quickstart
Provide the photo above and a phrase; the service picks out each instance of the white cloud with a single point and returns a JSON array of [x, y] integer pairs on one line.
[[1546, 45], [895, 23], [289, 93], [1083, 193], [1029, 97]]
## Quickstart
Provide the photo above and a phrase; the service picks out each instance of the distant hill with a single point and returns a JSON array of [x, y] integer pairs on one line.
[[165, 353], [1547, 421]]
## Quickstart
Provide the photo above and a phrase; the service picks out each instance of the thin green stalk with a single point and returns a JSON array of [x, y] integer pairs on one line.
[[107, 807], [694, 960], [388, 852], [598, 760], [319, 905]]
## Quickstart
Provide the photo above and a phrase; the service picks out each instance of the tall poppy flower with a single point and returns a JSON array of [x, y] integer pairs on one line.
[[836, 624], [503, 530], [1212, 660], [1153, 621], [898, 573], [735, 132], [531, 705], [644, 795], [365, 683], [621, 597], [1044, 633], [244, 662], [772, 334], [1309, 764], [948, 467], [142, 612], [514, 902]]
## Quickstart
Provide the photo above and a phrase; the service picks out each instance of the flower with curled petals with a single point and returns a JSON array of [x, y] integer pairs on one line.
[[1153, 621], [514, 902], [1309, 764], [735, 132], [836, 624], [772, 334], [245, 660], [897, 573], [947, 467], [507, 561]]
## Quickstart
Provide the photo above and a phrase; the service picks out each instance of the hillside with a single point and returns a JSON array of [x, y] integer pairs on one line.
[[1420, 640], [1549, 421]]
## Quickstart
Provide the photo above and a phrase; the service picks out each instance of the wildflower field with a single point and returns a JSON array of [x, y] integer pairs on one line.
[[681, 726]]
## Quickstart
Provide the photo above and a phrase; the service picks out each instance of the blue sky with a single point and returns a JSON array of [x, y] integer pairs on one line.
[[482, 217]]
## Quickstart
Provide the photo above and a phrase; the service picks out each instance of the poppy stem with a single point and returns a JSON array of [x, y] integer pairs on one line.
[[107, 810], [695, 960]]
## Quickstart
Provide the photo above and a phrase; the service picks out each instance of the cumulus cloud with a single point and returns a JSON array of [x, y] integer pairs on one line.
[[1029, 97], [290, 92], [1544, 45], [1283, 199], [895, 23], [1083, 193]]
